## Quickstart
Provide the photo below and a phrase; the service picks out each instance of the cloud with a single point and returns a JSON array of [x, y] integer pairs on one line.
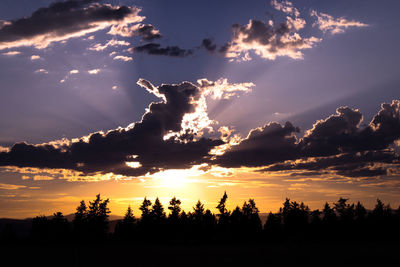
[[111, 43], [94, 71], [168, 137], [148, 32], [41, 71], [11, 53], [222, 89], [74, 72], [156, 49], [208, 45], [123, 58], [327, 23], [367, 163], [71, 72], [42, 178], [115, 87], [286, 7], [11, 186], [35, 57], [337, 144], [64, 20], [268, 40], [263, 146], [4, 149]]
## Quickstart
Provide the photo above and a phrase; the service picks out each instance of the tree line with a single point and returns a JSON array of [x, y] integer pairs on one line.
[[294, 222]]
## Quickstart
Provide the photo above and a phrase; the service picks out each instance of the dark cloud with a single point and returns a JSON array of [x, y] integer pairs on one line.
[[342, 132], [148, 32], [156, 49], [63, 20], [208, 45], [348, 164], [143, 142], [337, 144], [263, 146]]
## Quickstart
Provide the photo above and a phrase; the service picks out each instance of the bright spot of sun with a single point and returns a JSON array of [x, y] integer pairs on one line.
[[176, 178], [171, 178], [133, 164]]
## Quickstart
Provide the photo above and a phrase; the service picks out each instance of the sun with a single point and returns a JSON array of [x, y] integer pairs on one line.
[[172, 178]]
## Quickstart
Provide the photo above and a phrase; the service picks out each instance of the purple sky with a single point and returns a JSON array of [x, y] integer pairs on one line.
[[71, 69]]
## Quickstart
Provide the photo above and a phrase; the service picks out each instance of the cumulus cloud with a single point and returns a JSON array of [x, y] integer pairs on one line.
[[146, 146], [222, 89], [266, 145], [35, 57], [268, 39], [337, 145], [156, 49], [123, 58], [327, 23], [111, 43], [286, 7], [94, 71], [64, 20], [208, 45], [41, 71], [11, 53], [148, 32], [366, 164]]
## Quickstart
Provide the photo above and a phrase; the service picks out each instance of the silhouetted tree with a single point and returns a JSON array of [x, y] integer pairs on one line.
[[157, 211], [295, 216], [80, 222], [198, 212], [97, 217], [59, 227], [145, 222], [329, 215], [251, 221], [125, 229], [209, 222], [236, 222], [223, 215], [40, 231], [145, 208], [197, 221], [174, 218], [344, 210], [175, 208], [158, 219], [315, 217], [273, 227]]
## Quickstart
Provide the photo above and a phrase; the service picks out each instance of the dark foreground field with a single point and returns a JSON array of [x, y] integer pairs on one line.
[[201, 255]]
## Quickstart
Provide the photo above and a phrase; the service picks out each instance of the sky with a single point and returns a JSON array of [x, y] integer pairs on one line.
[[133, 99]]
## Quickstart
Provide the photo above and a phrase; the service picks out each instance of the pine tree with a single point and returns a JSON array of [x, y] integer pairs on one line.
[[97, 217], [129, 217], [80, 222], [174, 207], [157, 211], [145, 208], [198, 211]]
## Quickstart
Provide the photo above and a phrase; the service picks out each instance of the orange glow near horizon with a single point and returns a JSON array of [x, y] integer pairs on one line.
[[40, 197]]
